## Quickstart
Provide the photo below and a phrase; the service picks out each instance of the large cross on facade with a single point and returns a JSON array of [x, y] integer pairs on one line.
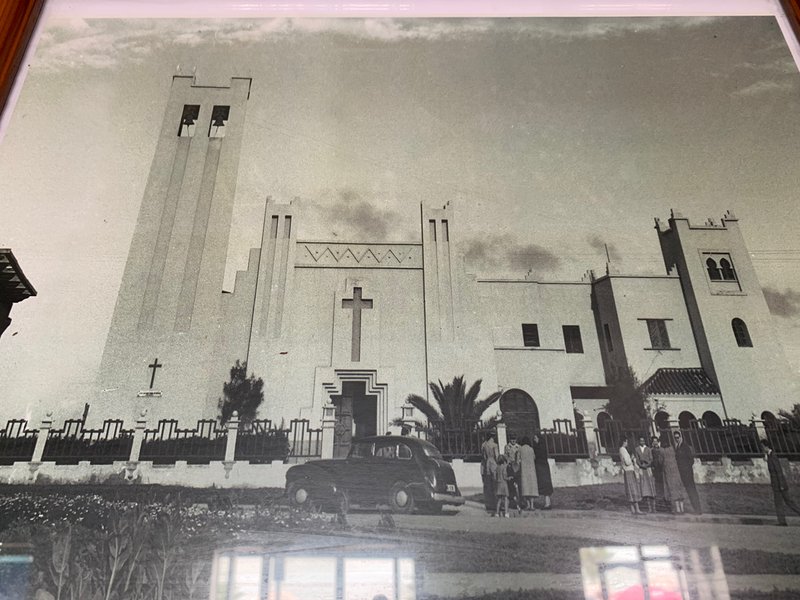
[[357, 304], [154, 366]]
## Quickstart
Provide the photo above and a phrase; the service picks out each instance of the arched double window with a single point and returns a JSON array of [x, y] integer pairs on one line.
[[714, 274], [741, 333], [728, 273]]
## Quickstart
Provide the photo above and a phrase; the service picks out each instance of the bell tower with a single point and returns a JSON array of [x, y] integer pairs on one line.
[[168, 307]]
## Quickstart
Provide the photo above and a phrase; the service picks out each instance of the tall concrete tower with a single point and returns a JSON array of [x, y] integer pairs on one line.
[[732, 325], [166, 321]]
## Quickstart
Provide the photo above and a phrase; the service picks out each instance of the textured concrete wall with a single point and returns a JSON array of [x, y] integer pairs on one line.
[[546, 372]]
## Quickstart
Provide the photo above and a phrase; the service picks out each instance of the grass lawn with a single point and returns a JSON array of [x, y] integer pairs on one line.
[[717, 498]]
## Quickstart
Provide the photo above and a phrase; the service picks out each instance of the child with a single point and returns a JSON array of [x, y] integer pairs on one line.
[[501, 485]]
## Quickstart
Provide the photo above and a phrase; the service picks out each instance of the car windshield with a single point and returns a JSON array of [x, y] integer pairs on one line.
[[430, 450]]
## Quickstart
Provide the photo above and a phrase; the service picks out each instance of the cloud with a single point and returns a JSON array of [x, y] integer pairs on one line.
[[596, 242], [783, 304], [765, 86], [105, 43], [349, 216], [502, 252]]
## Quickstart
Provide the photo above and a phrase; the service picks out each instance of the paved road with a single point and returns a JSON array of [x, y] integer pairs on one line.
[[607, 527]]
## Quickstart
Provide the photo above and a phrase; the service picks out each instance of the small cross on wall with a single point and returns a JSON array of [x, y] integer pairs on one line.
[[154, 366]]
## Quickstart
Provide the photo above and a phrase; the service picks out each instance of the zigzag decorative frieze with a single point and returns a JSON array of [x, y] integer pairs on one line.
[[371, 256]]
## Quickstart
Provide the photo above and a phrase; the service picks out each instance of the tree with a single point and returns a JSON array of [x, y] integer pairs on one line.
[[455, 404], [243, 394], [792, 416], [626, 402]]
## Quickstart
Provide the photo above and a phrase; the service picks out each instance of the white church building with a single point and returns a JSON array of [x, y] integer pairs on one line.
[[361, 325]]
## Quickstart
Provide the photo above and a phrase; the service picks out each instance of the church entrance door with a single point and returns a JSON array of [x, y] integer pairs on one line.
[[356, 416], [520, 413]]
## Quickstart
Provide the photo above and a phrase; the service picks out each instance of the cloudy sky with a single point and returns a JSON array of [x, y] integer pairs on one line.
[[554, 139]]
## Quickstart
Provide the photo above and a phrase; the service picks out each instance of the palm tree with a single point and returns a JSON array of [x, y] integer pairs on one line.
[[455, 404]]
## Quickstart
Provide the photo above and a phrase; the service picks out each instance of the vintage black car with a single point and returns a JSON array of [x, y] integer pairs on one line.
[[402, 473]]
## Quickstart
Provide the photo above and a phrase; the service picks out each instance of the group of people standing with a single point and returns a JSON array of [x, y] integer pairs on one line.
[[661, 471], [515, 476]]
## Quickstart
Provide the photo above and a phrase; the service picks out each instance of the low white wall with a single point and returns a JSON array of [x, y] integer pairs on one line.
[[273, 475]]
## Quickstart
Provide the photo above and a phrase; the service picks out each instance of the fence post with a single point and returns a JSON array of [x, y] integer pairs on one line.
[[230, 445], [41, 440], [591, 440], [502, 438], [328, 428], [136, 446]]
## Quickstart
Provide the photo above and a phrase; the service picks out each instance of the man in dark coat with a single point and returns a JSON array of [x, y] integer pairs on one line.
[[780, 487], [684, 456]]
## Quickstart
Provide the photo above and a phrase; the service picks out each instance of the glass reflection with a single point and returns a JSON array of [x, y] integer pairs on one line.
[[652, 573], [244, 574]]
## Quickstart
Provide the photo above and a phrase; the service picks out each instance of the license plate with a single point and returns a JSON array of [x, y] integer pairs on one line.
[[451, 488]]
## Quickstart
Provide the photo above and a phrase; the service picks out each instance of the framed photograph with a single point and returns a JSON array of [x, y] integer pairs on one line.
[[398, 301]]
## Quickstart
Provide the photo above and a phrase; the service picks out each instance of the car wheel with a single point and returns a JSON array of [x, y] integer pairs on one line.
[[300, 495], [400, 498]]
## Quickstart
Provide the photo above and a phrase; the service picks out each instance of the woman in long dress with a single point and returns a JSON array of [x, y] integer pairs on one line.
[[674, 493], [644, 458], [543, 479], [528, 484], [632, 490], [658, 466]]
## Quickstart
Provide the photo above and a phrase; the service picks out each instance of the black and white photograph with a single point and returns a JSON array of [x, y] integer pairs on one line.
[[402, 306]]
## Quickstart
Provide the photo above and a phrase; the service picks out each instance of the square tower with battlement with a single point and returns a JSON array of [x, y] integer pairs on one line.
[[732, 326], [167, 317]]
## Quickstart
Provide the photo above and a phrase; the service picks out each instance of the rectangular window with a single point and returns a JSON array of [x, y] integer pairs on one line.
[[287, 229], [219, 118], [572, 339], [445, 231], [657, 328], [607, 332], [530, 335], [188, 120], [273, 227], [432, 225]]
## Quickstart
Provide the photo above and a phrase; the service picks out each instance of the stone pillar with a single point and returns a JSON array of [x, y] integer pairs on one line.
[[591, 435], [502, 438], [230, 445], [136, 446], [408, 418], [328, 428], [41, 440]]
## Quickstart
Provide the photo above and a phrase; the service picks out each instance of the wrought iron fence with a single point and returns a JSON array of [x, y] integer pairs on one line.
[[17, 442], [168, 443], [733, 439], [73, 443], [462, 440], [260, 441], [563, 441]]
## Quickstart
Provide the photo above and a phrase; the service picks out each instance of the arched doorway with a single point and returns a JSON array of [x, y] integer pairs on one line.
[[520, 413], [685, 419], [711, 419]]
